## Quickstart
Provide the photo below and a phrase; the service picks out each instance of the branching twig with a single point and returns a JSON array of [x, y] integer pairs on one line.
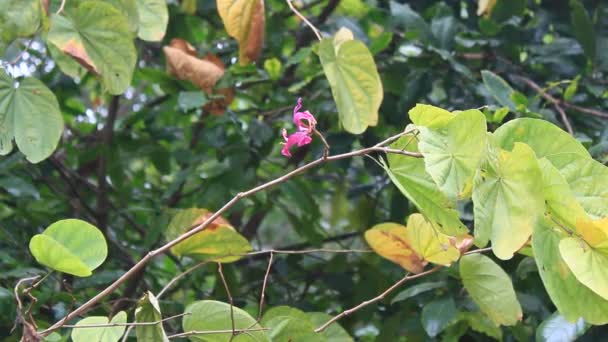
[[219, 270], [297, 13], [262, 296]]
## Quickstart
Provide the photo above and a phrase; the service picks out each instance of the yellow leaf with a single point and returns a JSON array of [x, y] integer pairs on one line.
[[430, 244], [594, 232], [485, 7], [390, 241], [244, 21]]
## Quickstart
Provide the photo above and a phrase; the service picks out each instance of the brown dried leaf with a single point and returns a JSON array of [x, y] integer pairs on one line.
[[77, 51]]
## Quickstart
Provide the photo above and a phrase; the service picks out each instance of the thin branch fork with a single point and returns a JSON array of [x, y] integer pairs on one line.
[[163, 249]]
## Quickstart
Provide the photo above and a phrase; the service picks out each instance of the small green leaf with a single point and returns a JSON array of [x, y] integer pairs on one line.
[[188, 100], [100, 334], [499, 89], [153, 19], [30, 114], [70, 246], [508, 199], [589, 265], [99, 37], [453, 153], [571, 89], [147, 311], [273, 68], [572, 299], [213, 315], [334, 333], [410, 177], [491, 288], [556, 328], [429, 116], [437, 315], [583, 28], [417, 289], [354, 80]]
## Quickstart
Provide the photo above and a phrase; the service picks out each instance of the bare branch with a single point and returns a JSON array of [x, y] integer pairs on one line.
[[261, 309], [133, 324], [312, 27]]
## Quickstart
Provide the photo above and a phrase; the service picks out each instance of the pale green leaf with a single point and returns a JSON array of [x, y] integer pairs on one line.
[[481, 323], [452, 153], [18, 19], [153, 19], [572, 299], [508, 199], [148, 310], [213, 315], [491, 288], [556, 328], [70, 246], [354, 81], [100, 334], [589, 265], [99, 37], [30, 114], [411, 178], [429, 116]]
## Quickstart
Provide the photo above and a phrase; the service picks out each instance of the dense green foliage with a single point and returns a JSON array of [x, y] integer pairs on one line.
[[126, 124]]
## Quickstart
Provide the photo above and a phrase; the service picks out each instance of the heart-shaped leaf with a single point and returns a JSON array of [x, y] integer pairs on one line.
[[99, 37], [430, 116], [508, 199], [99, 334], [70, 246], [30, 114], [354, 80]]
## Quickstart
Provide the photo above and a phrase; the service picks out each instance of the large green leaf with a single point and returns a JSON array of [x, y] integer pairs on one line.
[[354, 80], [546, 139], [499, 89], [437, 315], [588, 180], [153, 19], [556, 328], [30, 114], [453, 153], [18, 19], [411, 178], [508, 199], [70, 246], [218, 241], [559, 198], [100, 334], [99, 37], [583, 28], [207, 315], [572, 299], [491, 288], [148, 310], [589, 265]]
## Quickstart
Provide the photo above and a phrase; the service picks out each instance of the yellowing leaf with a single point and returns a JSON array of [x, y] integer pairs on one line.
[[589, 265], [429, 116], [595, 233], [390, 240], [485, 7], [430, 244], [244, 21]]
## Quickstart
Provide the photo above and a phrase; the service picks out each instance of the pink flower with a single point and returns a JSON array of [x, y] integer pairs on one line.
[[305, 123]]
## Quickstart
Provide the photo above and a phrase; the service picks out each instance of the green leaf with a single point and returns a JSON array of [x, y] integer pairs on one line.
[[491, 288], [70, 246], [417, 289], [213, 315], [546, 139], [481, 323], [30, 114], [429, 116], [100, 334], [153, 19], [334, 333], [99, 37], [583, 28], [410, 177], [289, 324], [589, 265], [499, 89], [588, 180], [218, 241], [453, 153], [428, 243], [354, 80], [572, 299], [508, 199], [437, 315], [556, 328], [129, 9], [148, 310], [18, 19], [188, 100]]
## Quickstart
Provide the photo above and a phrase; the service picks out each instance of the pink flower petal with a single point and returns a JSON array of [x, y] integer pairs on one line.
[[296, 139]]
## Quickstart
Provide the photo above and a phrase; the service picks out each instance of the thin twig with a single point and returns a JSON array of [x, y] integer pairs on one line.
[[312, 27], [325, 144], [133, 324], [377, 298], [209, 332], [195, 230], [262, 296], [219, 270], [61, 7], [180, 276]]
